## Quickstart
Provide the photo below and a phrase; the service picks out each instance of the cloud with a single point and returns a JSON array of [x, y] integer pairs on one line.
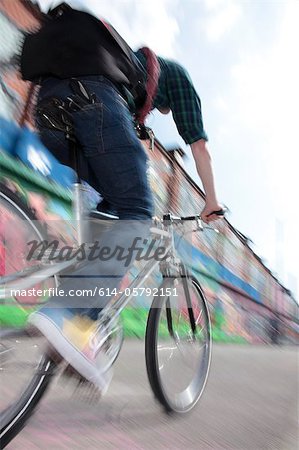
[[266, 101], [221, 17], [268, 96], [141, 22]]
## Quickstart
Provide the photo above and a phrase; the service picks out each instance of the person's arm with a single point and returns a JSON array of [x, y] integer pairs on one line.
[[177, 93], [185, 105], [205, 171]]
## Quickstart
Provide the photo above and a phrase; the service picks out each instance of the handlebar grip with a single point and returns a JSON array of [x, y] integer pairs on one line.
[[220, 212], [190, 218]]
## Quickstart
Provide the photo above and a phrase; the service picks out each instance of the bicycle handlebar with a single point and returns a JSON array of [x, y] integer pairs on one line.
[[221, 213]]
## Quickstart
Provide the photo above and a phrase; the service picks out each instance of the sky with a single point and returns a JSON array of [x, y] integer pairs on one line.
[[243, 59]]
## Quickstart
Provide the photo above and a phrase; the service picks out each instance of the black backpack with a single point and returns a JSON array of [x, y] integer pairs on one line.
[[73, 43]]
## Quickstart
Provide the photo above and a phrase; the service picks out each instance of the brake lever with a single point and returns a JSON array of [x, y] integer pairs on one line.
[[204, 227]]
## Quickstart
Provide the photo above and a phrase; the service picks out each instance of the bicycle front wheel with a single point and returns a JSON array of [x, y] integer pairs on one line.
[[178, 344]]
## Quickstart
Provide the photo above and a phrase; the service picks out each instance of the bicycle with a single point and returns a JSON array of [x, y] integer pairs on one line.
[[178, 325]]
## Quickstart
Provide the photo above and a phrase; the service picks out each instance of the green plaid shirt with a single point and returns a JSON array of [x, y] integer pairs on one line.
[[176, 91]]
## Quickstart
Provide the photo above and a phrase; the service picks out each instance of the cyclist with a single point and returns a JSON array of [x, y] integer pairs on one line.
[[117, 166]]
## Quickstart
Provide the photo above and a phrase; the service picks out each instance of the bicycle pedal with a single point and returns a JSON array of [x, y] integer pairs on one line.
[[82, 389], [68, 373], [87, 391]]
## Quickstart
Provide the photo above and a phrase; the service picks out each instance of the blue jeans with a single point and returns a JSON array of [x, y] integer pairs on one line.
[[116, 160], [116, 167]]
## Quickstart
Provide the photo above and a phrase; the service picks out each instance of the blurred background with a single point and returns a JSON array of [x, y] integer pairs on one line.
[[250, 298], [242, 59]]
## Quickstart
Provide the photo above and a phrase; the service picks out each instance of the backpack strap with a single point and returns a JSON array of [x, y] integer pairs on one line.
[[153, 73]]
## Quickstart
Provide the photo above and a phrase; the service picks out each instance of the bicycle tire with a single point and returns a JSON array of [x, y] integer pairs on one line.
[[14, 417], [14, 420], [151, 352]]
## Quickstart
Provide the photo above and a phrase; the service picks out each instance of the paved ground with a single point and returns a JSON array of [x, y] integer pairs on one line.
[[251, 402]]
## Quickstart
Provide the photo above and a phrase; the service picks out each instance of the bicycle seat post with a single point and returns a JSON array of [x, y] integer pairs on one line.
[[80, 205]]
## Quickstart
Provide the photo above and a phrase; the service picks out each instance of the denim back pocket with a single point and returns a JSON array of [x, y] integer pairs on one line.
[[118, 129], [88, 125]]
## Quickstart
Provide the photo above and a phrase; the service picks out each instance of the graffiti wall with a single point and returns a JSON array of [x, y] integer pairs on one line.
[[242, 293]]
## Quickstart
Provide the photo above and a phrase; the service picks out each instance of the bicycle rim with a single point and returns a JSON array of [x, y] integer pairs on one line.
[[24, 366], [26, 392], [178, 354]]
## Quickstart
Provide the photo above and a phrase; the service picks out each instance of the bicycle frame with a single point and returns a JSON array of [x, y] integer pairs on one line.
[[81, 213], [169, 263], [117, 307], [29, 278]]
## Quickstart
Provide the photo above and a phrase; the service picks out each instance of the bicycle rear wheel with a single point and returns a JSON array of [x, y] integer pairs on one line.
[[25, 368], [25, 375], [178, 344]]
